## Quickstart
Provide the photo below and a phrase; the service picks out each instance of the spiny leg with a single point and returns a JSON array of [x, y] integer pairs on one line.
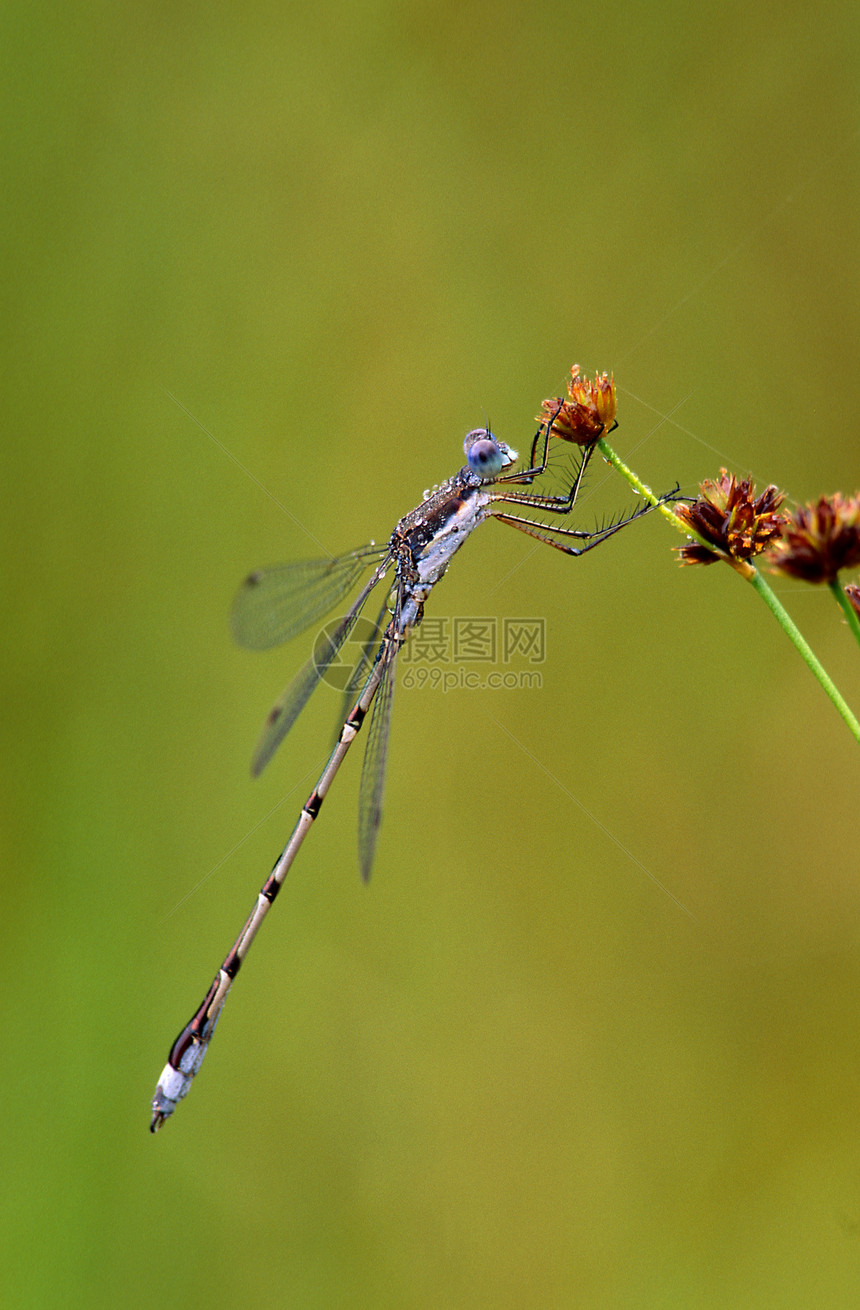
[[547, 532], [552, 504]]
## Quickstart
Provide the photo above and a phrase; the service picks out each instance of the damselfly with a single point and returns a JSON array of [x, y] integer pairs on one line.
[[278, 603]]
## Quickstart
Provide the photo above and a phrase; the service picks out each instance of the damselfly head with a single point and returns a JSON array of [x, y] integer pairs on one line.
[[485, 455]]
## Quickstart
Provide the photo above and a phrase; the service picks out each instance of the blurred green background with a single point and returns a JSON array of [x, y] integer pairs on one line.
[[514, 1071]]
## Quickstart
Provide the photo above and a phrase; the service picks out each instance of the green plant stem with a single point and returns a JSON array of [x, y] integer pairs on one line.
[[642, 489], [755, 579], [793, 632], [845, 604]]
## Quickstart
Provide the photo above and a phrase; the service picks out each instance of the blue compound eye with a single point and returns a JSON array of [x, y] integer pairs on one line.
[[483, 454]]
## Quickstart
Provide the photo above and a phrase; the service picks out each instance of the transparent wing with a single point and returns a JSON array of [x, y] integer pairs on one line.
[[274, 604], [372, 783], [297, 695], [364, 664]]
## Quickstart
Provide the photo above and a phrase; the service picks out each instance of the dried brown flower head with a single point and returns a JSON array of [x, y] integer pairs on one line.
[[588, 411], [820, 539], [728, 515]]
